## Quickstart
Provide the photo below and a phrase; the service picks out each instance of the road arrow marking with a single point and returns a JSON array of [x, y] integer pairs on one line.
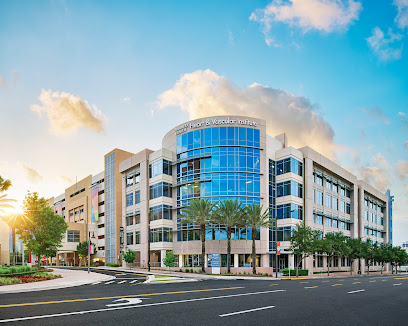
[[128, 301], [356, 291], [398, 284]]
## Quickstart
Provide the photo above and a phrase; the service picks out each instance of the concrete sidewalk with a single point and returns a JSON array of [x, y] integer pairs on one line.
[[69, 278], [199, 276]]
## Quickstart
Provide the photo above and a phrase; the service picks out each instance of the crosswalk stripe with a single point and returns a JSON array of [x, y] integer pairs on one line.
[[131, 282], [110, 282], [96, 283], [121, 282]]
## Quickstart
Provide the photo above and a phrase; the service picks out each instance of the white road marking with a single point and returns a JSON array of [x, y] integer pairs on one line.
[[131, 282], [121, 282], [131, 307], [96, 283], [110, 282], [245, 311], [356, 291], [398, 284], [120, 274], [128, 301]]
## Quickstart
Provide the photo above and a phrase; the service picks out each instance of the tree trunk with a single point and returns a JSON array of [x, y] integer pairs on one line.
[[368, 269], [13, 235], [297, 267], [253, 251], [351, 267], [203, 248], [228, 250], [382, 268]]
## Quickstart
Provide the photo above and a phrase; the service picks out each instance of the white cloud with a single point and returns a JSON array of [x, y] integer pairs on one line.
[[126, 99], [403, 117], [67, 113], [66, 180], [402, 16], [375, 176], [32, 175], [385, 48], [11, 84], [380, 160], [204, 93], [377, 113], [402, 169], [322, 15]]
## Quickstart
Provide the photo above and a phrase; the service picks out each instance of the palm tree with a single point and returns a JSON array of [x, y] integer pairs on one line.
[[199, 212], [230, 213], [5, 203], [255, 219]]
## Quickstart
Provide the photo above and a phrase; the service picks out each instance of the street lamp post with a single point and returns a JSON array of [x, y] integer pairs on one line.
[[89, 248], [276, 241]]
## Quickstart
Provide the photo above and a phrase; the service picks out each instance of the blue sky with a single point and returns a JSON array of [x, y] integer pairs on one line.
[[345, 61]]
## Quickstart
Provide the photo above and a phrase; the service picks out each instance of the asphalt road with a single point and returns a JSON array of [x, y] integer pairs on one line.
[[364, 300]]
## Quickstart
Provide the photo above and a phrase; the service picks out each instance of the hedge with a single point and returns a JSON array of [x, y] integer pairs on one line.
[[16, 270], [112, 265], [302, 272]]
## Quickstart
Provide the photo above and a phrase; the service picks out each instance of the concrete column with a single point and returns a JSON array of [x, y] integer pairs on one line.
[[308, 264], [236, 260], [308, 192], [162, 255], [291, 262], [206, 260], [57, 259], [265, 260], [180, 261]]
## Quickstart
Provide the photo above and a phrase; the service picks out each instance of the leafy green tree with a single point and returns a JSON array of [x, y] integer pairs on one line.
[[44, 231], [199, 212], [332, 244], [353, 251], [302, 242], [82, 249], [381, 254], [229, 213], [368, 253], [170, 260], [5, 184], [254, 219], [129, 256]]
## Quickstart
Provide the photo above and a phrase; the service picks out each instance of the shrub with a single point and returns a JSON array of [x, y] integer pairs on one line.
[[112, 265], [302, 272], [266, 274]]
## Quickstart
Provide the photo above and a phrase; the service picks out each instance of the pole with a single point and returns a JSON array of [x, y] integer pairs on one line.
[[89, 249], [276, 247]]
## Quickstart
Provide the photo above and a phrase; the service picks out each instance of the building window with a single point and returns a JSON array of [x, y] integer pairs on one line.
[[328, 201], [129, 219], [129, 238], [192, 260], [328, 221], [160, 167], [319, 197], [285, 211], [342, 191], [335, 224], [289, 165], [319, 260], [328, 184], [342, 225], [137, 197], [73, 236], [160, 189], [343, 206], [129, 199], [288, 188], [245, 260], [129, 181], [335, 187], [161, 235], [319, 180], [335, 204], [366, 202], [366, 215], [160, 212], [137, 237], [348, 208]]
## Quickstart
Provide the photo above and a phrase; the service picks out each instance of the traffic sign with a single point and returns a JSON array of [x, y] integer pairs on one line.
[[278, 248]]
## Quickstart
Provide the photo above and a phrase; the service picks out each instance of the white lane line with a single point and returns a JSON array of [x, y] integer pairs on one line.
[[398, 284], [96, 283], [131, 282], [245, 311], [120, 274], [356, 291], [121, 282], [131, 307], [110, 282]]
